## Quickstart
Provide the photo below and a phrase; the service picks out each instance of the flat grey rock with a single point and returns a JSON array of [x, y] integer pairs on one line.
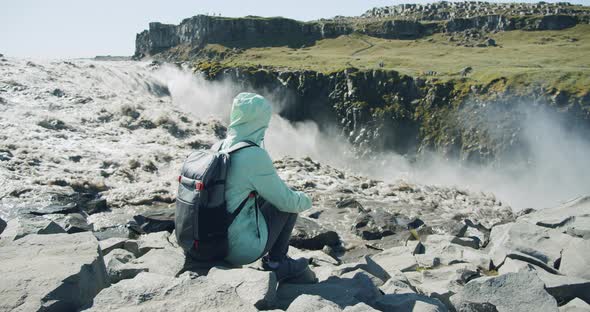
[[168, 261], [155, 292], [24, 225], [572, 217], [256, 287], [544, 244], [157, 240], [112, 243], [562, 287], [57, 272], [505, 293], [396, 258]]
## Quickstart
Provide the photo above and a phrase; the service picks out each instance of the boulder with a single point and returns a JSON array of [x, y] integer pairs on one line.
[[121, 255], [342, 291], [359, 307], [540, 243], [397, 284], [367, 265], [562, 288], [376, 224], [315, 257], [394, 259], [443, 249], [24, 225], [572, 217], [152, 222], [59, 272], [443, 282], [72, 223], [575, 259], [155, 292], [111, 244], [409, 302], [119, 269], [167, 261], [576, 305], [522, 291], [308, 234], [306, 303], [256, 287], [147, 242], [95, 205]]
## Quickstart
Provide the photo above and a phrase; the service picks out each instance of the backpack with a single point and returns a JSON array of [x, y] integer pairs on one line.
[[201, 219]]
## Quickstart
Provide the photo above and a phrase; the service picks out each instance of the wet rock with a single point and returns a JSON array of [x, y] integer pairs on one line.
[[75, 223], [349, 203], [253, 286], [155, 292], [5, 155], [575, 259], [53, 124], [576, 305], [153, 221], [63, 272], [93, 206], [308, 234], [409, 302], [57, 209], [543, 244], [24, 225], [305, 303], [58, 93], [506, 293], [376, 225]]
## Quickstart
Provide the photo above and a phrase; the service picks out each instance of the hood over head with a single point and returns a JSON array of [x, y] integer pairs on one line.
[[250, 116]]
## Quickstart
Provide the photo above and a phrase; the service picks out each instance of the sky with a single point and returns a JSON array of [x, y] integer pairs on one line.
[[82, 28]]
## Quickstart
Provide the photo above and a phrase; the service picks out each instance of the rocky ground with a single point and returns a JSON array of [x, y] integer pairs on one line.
[[88, 157]]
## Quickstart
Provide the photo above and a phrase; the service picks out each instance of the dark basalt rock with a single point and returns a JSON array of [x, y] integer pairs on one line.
[[156, 221], [308, 234], [2, 225]]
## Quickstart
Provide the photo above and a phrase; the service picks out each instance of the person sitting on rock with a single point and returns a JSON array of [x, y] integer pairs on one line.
[[262, 232]]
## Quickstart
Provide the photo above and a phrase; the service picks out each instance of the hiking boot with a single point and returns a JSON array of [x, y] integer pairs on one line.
[[286, 268]]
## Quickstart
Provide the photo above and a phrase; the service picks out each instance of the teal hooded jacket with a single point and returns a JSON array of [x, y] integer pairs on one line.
[[251, 169]]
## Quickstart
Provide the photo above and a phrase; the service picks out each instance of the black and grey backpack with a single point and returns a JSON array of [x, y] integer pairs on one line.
[[201, 217]]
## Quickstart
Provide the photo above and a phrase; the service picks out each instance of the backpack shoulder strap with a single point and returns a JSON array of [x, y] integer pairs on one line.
[[240, 145]]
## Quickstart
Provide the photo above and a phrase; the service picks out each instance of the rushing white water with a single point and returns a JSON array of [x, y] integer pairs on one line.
[[125, 118]]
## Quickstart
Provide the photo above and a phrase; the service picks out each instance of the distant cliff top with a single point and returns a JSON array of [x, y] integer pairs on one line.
[[444, 10]]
